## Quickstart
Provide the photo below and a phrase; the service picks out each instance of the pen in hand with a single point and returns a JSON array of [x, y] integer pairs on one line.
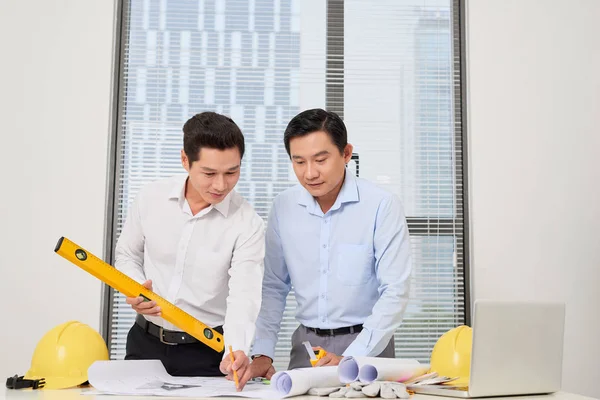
[[235, 375]]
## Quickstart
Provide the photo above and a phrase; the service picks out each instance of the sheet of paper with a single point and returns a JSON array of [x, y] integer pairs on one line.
[[298, 381], [149, 378], [429, 379], [370, 369]]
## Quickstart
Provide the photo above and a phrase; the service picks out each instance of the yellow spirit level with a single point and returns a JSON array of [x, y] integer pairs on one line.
[[130, 288]]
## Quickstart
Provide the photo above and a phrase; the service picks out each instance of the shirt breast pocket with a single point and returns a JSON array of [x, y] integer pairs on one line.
[[354, 264]]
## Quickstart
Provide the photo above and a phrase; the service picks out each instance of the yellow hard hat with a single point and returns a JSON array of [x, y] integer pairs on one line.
[[451, 355], [62, 357]]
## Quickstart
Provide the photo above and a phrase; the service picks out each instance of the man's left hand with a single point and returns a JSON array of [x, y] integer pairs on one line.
[[329, 360], [240, 365]]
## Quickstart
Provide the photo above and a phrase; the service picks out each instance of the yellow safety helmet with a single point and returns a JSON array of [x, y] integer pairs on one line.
[[451, 355], [62, 357]]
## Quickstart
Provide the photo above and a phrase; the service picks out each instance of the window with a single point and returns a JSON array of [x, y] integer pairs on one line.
[[390, 69]]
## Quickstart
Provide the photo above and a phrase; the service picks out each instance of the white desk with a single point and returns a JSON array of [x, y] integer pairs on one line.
[[75, 394]]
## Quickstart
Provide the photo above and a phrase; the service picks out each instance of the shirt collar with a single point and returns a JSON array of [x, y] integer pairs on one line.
[[177, 192], [347, 194], [305, 198], [223, 206], [178, 188]]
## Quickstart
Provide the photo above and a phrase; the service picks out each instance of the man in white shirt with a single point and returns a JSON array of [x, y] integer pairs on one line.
[[196, 242]]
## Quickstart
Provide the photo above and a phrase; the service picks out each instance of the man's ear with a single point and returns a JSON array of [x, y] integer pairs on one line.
[[185, 162], [348, 153]]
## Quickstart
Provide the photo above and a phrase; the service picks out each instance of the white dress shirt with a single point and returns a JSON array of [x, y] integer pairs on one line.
[[209, 264]]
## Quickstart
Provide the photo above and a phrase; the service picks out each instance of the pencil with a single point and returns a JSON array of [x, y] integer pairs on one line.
[[235, 375]]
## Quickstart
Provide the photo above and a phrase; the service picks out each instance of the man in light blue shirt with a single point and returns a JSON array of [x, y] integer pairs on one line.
[[342, 243]]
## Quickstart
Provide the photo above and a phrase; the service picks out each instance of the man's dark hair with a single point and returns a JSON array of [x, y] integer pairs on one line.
[[316, 120], [211, 130]]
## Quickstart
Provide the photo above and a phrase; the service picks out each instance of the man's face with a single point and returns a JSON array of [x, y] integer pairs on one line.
[[317, 162], [214, 174]]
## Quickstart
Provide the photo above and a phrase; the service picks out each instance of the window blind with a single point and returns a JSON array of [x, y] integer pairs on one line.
[[389, 68]]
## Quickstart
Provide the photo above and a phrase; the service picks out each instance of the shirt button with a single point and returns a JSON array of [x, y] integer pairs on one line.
[[322, 296], [324, 246], [324, 271], [323, 319]]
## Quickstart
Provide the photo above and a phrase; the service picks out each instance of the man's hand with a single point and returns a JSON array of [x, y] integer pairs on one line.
[[141, 306], [259, 367], [328, 359], [241, 364]]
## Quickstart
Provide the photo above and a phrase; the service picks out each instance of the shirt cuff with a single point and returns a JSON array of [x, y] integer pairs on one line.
[[360, 346], [265, 347], [237, 338]]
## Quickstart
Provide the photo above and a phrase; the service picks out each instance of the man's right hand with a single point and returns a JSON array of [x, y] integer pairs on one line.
[[141, 306], [259, 367]]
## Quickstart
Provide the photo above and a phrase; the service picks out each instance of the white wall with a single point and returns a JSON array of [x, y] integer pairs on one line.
[[55, 81], [534, 148]]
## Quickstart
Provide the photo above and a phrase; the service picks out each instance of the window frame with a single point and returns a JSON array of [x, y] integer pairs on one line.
[[334, 102]]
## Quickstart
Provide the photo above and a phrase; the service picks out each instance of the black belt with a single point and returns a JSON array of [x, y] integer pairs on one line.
[[167, 336], [338, 331]]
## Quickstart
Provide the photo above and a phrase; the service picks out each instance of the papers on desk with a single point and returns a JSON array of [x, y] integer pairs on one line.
[[371, 369], [429, 379], [149, 378], [299, 381]]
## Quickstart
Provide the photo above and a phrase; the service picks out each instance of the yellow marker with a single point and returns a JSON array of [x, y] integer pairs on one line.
[[314, 357], [130, 288]]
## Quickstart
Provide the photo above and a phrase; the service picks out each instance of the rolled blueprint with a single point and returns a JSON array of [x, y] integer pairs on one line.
[[370, 369], [298, 381]]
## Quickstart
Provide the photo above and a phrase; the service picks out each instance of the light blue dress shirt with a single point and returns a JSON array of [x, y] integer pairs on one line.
[[348, 266]]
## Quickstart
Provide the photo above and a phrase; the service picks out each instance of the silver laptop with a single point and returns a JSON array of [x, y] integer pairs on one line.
[[517, 350]]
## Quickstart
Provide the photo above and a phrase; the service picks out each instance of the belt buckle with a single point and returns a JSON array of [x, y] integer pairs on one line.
[[161, 333]]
